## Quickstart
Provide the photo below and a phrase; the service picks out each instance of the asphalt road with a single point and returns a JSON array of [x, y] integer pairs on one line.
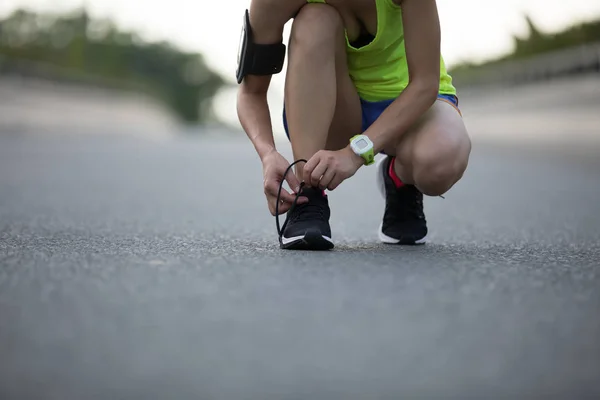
[[149, 269]]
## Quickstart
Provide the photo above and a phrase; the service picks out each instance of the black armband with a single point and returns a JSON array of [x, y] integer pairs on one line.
[[257, 59]]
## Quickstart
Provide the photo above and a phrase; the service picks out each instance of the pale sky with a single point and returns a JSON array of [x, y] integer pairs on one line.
[[471, 29]]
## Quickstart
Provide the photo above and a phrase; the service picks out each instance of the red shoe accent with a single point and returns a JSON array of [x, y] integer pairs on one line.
[[392, 173]]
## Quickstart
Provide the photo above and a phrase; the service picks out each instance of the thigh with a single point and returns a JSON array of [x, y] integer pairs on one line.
[[347, 118]]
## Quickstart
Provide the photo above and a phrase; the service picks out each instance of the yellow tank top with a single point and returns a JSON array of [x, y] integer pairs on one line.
[[379, 70]]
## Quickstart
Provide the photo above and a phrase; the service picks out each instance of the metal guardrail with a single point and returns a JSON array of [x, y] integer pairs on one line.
[[574, 60]]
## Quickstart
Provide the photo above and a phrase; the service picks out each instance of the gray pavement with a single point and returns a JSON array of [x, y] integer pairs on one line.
[[149, 269]]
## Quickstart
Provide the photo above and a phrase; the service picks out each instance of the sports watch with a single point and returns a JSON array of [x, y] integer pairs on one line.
[[362, 146]]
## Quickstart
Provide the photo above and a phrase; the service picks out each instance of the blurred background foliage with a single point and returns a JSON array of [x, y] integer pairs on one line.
[[538, 42], [76, 48], [73, 47]]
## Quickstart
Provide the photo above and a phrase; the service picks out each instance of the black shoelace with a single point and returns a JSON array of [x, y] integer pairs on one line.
[[409, 201], [280, 230]]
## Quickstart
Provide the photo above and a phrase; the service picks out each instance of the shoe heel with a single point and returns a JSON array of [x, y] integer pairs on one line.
[[380, 182]]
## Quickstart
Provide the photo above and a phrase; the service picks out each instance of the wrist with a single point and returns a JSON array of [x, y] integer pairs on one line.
[[265, 152], [357, 160], [363, 148]]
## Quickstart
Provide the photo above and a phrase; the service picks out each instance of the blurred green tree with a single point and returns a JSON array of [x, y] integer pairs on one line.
[[96, 51], [538, 42]]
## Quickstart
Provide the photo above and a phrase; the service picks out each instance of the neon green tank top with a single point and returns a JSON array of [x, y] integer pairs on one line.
[[379, 70]]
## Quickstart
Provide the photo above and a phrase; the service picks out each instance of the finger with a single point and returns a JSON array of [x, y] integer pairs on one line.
[[283, 206], [293, 181], [326, 179], [271, 208], [271, 205], [272, 190], [285, 197], [302, 200], [310, 166], [335, 182], [318, 172], [282, 209]]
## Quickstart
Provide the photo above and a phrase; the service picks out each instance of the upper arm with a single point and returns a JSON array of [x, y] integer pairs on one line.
[[267, 19], [422, 40]]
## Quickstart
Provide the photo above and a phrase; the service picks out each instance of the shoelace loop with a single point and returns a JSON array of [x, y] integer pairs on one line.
[[409, 204], [282, 228]]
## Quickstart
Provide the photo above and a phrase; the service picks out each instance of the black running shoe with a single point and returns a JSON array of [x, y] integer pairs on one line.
[[403, 220], [307, 225]]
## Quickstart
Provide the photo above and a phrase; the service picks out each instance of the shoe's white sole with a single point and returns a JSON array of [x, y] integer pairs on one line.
[[311, 240], [381, 186], [389, 240], [292, 239]]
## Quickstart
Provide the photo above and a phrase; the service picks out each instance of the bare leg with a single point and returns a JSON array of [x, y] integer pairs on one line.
[[434, 154], [322, 107]]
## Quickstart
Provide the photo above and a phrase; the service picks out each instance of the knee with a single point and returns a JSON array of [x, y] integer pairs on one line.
[[436, 170], [315, 27]]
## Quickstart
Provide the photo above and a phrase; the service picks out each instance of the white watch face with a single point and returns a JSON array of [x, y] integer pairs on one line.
[[361, 144]]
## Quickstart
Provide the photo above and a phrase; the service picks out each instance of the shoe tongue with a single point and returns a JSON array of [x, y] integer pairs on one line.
[[314, 208], [311, 192]]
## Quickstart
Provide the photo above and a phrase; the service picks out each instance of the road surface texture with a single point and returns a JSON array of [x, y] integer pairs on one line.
[[149, 269]]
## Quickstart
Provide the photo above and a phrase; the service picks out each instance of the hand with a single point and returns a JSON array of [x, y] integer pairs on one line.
[[274, 166], [328, 169]]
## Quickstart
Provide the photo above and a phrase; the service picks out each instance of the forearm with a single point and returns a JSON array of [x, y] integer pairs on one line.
[[253, 113], [422, 42], [267, 19], [395, 121]]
